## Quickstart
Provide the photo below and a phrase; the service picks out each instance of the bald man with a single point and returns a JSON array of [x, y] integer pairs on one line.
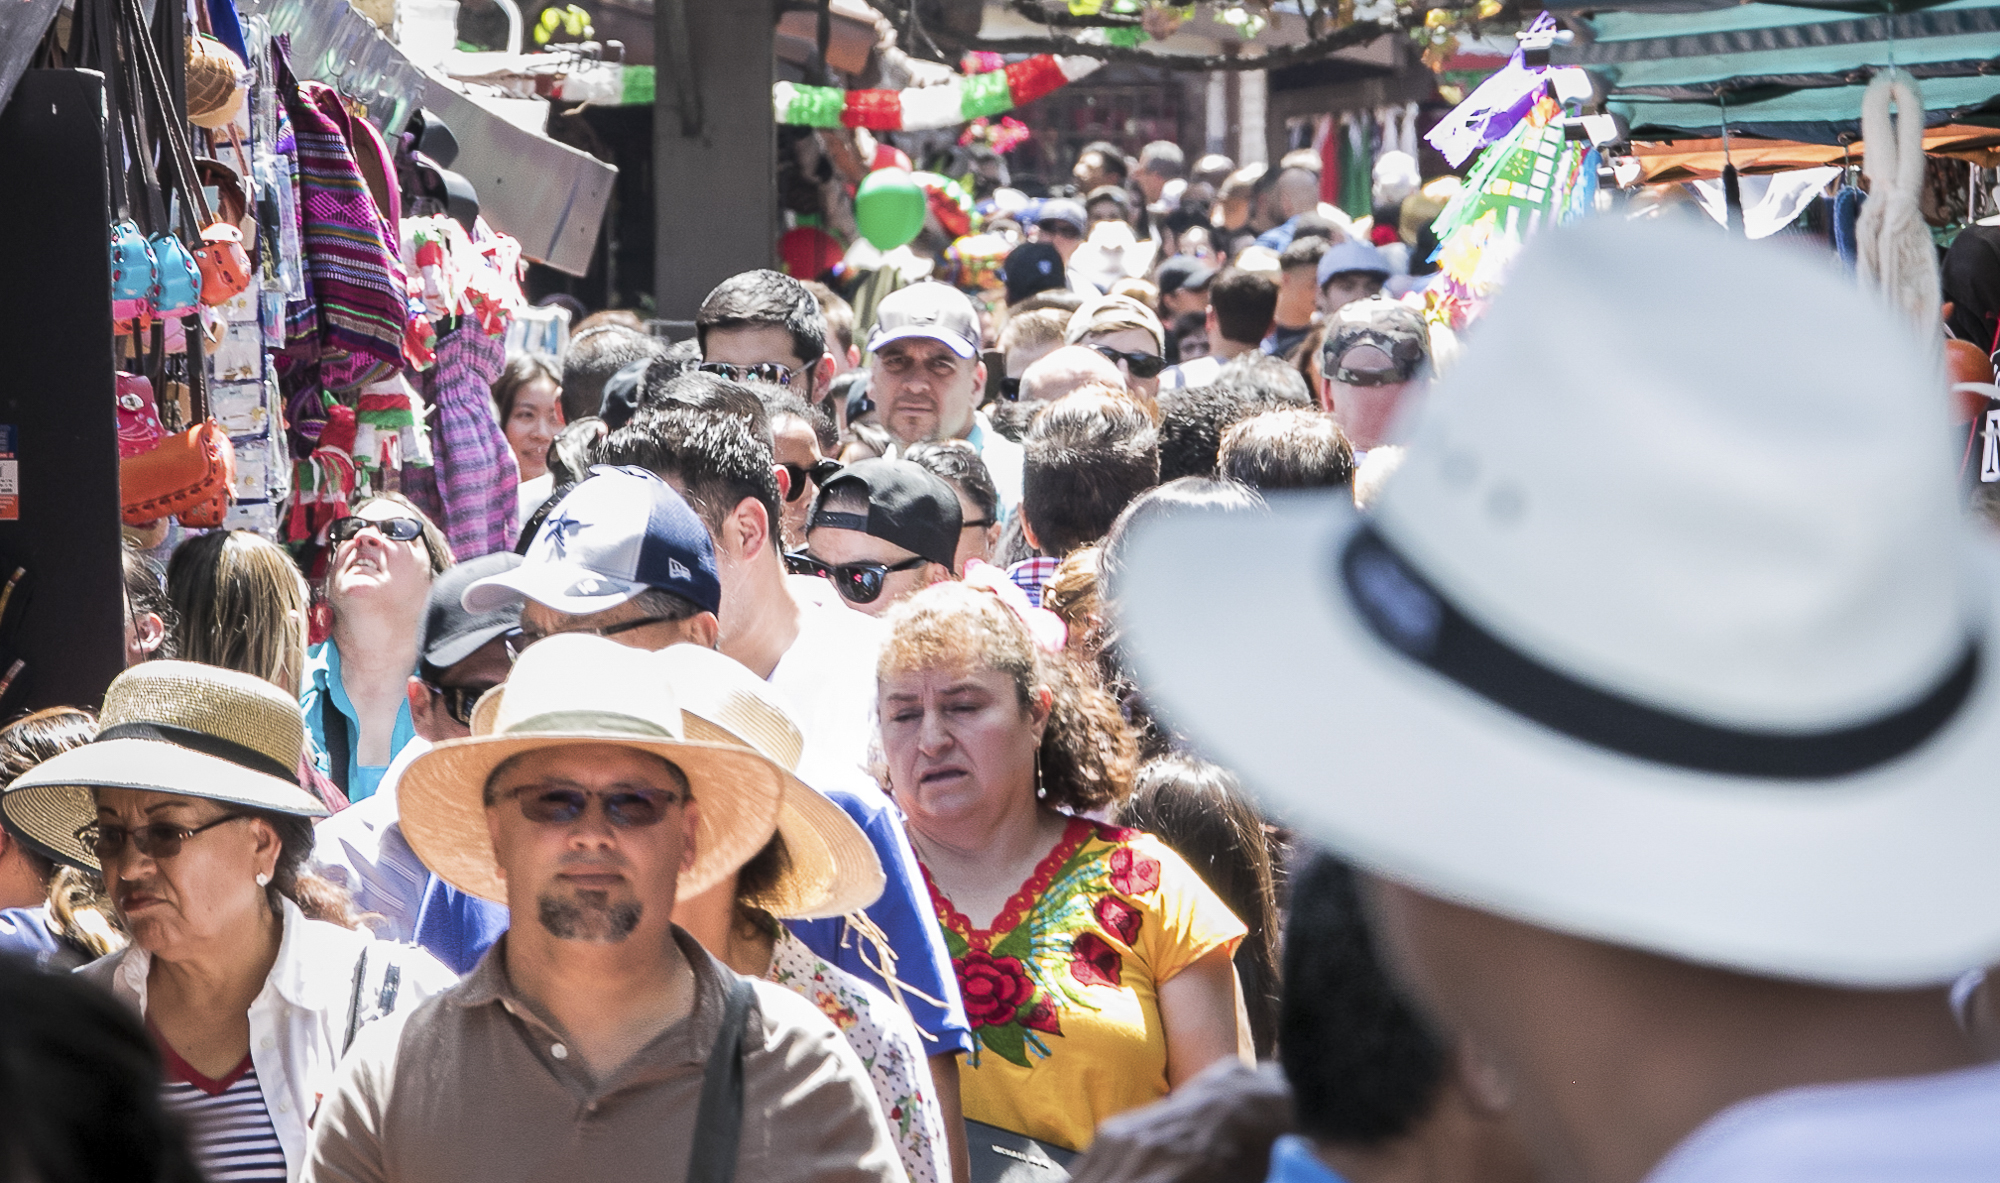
[[1067, 369]]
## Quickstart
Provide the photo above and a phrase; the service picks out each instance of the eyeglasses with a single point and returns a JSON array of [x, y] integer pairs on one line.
[[626, 809], [160, 840], [520, 640], [1010, 389], [1142, 365], [459, 700], [763, 371], [819, 473], [857, 583], [394, 529]]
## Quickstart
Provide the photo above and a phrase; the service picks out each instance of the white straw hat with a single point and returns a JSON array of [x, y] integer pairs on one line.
[[1668, 632], [176, 727], [571, 690]]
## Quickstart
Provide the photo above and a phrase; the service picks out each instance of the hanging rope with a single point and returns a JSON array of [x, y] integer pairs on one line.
[[1895, 252]]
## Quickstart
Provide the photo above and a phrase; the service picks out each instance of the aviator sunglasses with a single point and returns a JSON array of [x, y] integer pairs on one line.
[[857, 583], [767, 371]]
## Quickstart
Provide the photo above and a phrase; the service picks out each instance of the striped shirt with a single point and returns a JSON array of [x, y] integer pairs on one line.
[[229, 1127]]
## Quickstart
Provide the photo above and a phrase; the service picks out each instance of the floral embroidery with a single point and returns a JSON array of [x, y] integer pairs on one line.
[[1133, 874], [1048, 945]]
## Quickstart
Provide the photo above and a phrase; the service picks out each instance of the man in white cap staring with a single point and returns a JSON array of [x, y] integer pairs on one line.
[[597, 1040], [1668, 706], [927, 378]]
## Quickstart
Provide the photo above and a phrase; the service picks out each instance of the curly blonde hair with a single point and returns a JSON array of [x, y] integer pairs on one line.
[[1089, 754]]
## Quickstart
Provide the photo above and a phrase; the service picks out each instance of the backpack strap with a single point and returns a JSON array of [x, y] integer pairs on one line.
[[333, 725], [718, 1123]]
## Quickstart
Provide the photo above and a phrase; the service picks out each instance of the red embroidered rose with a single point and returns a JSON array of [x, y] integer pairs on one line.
[[1133, 874], [1042, 1017], [1094, 963], [994, 987], [1119, 918]]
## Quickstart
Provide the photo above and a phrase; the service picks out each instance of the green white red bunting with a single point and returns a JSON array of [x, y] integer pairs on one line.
[[923, 108]]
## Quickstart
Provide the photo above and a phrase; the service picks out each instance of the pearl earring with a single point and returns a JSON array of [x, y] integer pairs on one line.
[[263, 880]]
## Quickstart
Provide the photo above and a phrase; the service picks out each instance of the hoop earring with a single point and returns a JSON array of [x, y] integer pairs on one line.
[[263, 880], [1041, 790]]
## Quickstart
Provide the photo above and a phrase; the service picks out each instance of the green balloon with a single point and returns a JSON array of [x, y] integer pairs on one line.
[[889, 208]]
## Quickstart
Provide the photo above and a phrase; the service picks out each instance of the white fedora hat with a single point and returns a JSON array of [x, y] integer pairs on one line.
[[1669, 631], [570, 690]]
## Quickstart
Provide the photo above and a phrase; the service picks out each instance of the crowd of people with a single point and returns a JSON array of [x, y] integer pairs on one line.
[[844, 776]]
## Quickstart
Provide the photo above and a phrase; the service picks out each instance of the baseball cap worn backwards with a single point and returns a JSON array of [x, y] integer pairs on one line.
[[1395, 328], [452, 634], [620, 532], [907, 505], [935, 311]]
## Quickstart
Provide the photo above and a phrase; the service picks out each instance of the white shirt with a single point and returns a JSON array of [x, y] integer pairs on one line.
[[827, 682], [1923, 1129], [532, 493], [362, 849], [1003, 458], [298, 1021], [1198, 371]]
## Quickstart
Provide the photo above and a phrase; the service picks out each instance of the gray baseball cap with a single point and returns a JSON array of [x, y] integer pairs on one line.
[[934, 310]]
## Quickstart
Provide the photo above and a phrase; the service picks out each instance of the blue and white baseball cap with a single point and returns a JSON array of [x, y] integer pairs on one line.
[[620, 532]]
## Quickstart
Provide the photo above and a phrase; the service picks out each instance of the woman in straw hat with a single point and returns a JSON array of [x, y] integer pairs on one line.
[[818, 865], [1094, 963], [187, 801]]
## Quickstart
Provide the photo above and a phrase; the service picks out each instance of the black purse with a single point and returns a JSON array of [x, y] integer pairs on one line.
[[1003, 1156]]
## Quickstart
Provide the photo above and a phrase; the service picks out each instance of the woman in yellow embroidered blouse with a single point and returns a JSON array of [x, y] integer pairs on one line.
[[1095, 965]]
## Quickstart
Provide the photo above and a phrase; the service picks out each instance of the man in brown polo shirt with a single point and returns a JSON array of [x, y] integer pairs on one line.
[[595, 1041]]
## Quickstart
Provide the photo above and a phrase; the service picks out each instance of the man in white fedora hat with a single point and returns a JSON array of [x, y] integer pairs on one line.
[[1659, 698], [597, 1040]]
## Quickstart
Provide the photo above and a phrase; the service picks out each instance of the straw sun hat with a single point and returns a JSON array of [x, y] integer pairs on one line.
[[576, 690], [832, 869], [170, 727]]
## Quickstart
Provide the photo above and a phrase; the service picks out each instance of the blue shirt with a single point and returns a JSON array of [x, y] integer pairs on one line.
[[324, 691], [24, 932], [1292, 1161]]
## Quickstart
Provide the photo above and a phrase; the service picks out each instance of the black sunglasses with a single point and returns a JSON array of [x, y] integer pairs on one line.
[[627, 809], [156, 841], [819, 473], [857, 583], [459, 700], [1010, 389], [1142, 365], [766, 371], [394, 529]]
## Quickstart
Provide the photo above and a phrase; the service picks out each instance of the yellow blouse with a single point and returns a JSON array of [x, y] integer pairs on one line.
[[1062, 991]]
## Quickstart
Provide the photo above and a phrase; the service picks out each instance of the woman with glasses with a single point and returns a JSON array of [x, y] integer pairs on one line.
[[1095, 965], [242, 962], [355, 695], [1129, 335]]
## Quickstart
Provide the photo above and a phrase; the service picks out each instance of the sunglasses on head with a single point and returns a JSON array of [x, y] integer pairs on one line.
[[857, 583], [160, 840], [819, 473], [394, 529], [763, 371], [626, 809], [1142, 365]]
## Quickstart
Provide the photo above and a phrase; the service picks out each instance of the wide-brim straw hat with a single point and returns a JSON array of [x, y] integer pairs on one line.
[[833, 868], [1668, 632], [177, 727], [574, 690]]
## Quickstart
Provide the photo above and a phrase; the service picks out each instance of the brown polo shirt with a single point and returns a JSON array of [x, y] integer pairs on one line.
[[475, 1085]]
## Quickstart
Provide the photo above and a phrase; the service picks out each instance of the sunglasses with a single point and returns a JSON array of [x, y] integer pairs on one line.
[[459, 700], [1142, 365], [520, 640], [625, 809], [160, 840], [1010, 389], [763, 371], [819, 473], [394, 529], [857, 583]]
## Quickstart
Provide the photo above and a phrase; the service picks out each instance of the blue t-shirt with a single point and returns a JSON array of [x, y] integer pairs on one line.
[[1292, 1161], [24, 932], [323, 692], [458, 929]]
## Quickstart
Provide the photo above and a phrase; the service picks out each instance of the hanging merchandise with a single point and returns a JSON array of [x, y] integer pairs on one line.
[[1533, 178], [1493, 108], [961, 100], [1893, 242], [471, 490], [889, 208]]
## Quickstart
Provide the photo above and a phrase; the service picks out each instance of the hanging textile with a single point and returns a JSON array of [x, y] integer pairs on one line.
[[473, 492], [1357, 165]]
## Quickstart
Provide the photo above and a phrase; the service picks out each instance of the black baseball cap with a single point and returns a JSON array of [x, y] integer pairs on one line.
[[907, 505], [1030, 268], [1184, 273], [451, 633]]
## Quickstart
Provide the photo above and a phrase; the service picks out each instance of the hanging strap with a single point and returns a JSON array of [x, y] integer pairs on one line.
[[333, 725], [176, 145], [718, 1123]]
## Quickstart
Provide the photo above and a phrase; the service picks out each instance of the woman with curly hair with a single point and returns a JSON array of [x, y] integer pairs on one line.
[[1094, 964]]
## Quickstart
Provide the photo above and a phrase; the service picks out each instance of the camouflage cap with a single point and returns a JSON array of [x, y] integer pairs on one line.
[[1395, 328]]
